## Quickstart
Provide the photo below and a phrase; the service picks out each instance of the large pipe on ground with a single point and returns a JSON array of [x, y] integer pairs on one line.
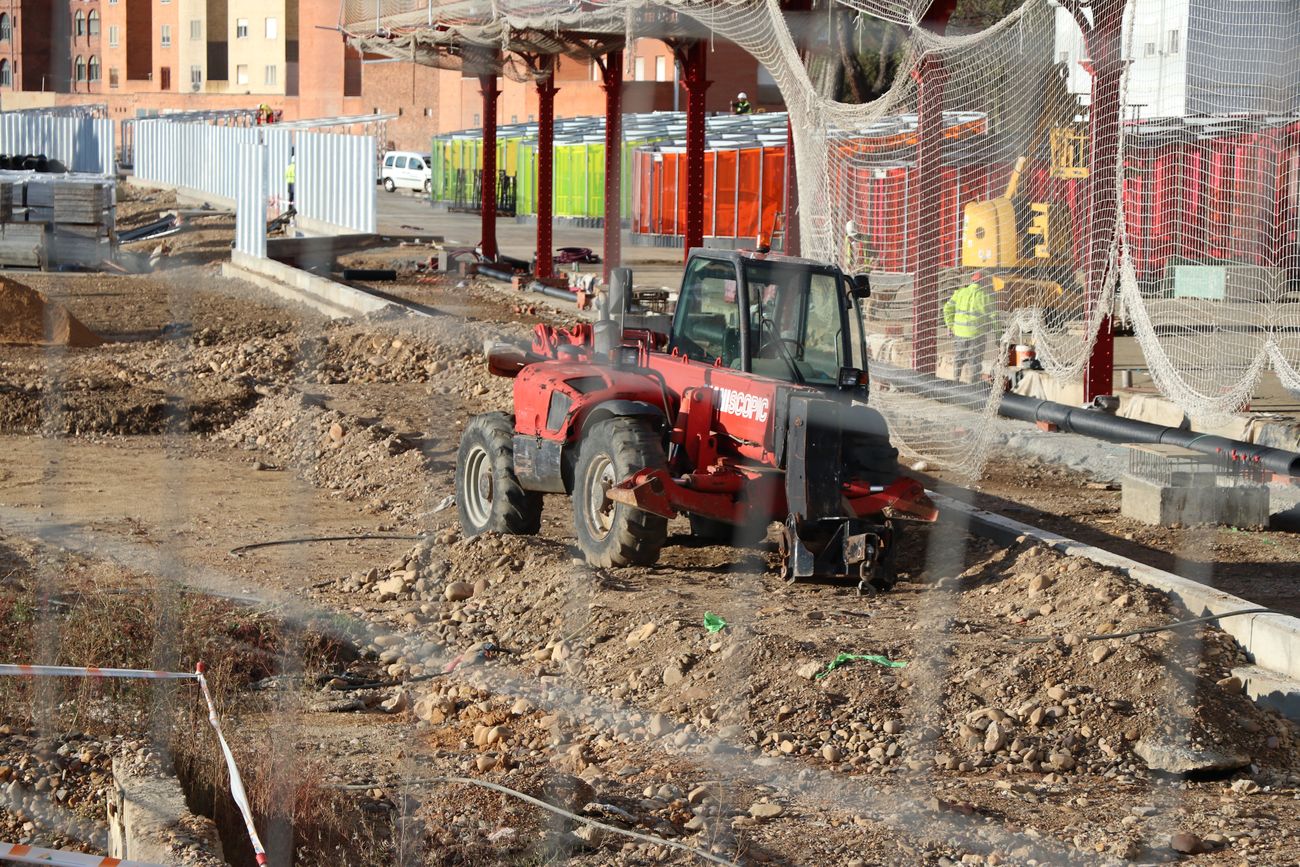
[[1088, 422]]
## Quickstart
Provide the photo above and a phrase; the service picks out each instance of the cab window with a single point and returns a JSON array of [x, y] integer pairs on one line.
[[388, 160], [796, 323], [707, 325]]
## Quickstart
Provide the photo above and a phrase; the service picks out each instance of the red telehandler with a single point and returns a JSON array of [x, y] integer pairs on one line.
[[747, 406]]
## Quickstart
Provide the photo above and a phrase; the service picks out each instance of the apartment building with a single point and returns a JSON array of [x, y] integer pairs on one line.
[[27, 32]]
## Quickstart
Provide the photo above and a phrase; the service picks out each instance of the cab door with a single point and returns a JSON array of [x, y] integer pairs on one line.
[[708, 326]]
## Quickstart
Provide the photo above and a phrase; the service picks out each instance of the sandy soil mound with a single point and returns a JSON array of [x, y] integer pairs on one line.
[[28, 318]]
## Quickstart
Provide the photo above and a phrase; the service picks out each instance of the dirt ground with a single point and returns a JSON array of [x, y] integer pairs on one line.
[[212, 420]]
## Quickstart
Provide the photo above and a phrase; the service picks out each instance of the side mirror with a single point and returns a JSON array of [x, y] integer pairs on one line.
[[861, 286]]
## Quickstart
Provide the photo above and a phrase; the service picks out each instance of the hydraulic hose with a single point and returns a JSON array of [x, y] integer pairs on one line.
[[1088, 422]]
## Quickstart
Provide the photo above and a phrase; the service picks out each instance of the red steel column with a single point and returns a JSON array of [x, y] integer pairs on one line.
[[1104, 121], [612, 82], [791, 195], [488, 83], [696, 84], [931, 77], [545, 171]]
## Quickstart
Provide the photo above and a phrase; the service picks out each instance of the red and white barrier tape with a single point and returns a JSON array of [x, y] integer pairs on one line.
[[91, 671], [36, 855], [236, 782]]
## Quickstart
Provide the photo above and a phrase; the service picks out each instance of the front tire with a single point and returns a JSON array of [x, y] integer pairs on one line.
[[389, 185], [489, 497], [616, 534], [428, 187]]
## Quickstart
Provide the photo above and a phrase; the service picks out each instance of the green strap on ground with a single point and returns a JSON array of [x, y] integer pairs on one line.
[[713, 622], [845, 658]]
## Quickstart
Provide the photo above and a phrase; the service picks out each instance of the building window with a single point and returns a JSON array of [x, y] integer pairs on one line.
[[196, 29], [92, 22], [638, 69], [166, 36], [1174, 45], [114, 35], [241, 28], [165, 77], [272, 75], [112, 75], [241, 74], [661, 68], [272, 28], [196, 77], [1150, 49], [6, 74], [81, 68], [80, 23], [6, 29], [94, 68]]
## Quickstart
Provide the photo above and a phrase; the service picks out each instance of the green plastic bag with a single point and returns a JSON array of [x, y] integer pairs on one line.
[[844, 658], [713, 622]]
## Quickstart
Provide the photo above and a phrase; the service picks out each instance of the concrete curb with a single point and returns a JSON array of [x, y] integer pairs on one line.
[[1272, 640], [335, 300]]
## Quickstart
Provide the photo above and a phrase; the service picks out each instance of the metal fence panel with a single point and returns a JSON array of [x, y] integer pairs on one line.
[[250, 199], [83, 144], [336, 180]]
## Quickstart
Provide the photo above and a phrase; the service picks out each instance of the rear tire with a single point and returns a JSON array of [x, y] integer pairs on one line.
[[489, 497], [616, 534]]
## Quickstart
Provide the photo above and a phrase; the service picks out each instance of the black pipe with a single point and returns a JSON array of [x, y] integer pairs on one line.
[[552, 292], [494, 272], [1089, 422]]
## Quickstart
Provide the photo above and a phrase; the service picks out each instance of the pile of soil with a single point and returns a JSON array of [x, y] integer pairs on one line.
[[28, 318]]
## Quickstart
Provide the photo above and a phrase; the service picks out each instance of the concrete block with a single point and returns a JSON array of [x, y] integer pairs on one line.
[[149, 821], [1194, 503], [1271, 690]]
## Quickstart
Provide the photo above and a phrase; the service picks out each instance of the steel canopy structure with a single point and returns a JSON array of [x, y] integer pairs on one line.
[[522, 40]]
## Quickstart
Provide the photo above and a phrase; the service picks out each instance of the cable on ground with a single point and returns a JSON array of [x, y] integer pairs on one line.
[[559, 811], [235, 552]]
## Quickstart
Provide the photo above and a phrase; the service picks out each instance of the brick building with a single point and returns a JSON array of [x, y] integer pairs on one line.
[[26, 34], [144, 57]]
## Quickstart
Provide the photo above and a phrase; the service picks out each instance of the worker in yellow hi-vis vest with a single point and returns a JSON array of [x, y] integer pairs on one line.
[[971, 315], [291, 177]]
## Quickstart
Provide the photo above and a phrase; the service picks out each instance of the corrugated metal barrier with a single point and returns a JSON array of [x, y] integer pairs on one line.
[[82, 144], [335, 173], [336, 180], [251, 197]]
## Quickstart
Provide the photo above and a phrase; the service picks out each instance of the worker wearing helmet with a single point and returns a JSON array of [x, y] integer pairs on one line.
[[970, 315], [741, 105], [857, 253], [291, 177]]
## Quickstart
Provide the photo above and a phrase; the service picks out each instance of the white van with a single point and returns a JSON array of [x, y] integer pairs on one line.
[[408, 170]]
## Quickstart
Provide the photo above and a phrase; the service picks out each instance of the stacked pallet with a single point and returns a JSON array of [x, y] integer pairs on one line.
[[64, 221]]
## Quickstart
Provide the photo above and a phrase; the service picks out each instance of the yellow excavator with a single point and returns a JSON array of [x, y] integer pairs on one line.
[[1026, 248]]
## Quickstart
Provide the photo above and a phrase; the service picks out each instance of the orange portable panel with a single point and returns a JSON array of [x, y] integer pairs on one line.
[[747, 215], [724, 203], [710, 212], [773, 190]]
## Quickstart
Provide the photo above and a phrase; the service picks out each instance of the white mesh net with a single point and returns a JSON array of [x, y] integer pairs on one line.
[[1058, 157]]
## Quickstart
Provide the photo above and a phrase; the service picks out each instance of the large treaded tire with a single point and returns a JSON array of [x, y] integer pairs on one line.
[[489, 497], [616, 534]]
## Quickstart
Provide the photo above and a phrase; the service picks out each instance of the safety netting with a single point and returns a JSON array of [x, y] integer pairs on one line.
[[1021, 179]]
